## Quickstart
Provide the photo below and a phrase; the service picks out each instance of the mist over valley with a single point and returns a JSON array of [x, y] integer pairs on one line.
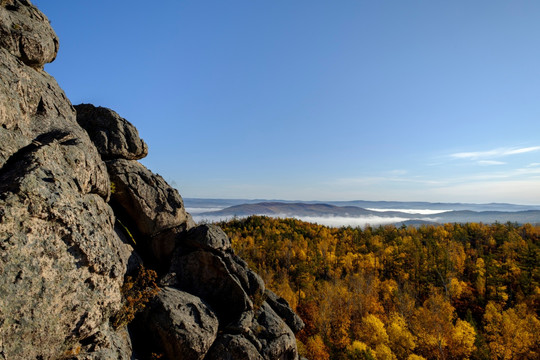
[[354, 214]]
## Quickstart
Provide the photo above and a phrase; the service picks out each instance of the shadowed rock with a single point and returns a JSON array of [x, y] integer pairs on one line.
[[181, 324], [207, 237], [114, 136], [277, 339], [105, 344], [282, 308], [205, 275], [233, 347], [269, 338], [152, 204], [26, 33]]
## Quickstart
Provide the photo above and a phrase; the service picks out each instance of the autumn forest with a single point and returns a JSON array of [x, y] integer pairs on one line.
[[457, 291]]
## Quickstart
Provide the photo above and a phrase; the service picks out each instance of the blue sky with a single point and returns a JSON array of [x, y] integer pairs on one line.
[[315, 99]]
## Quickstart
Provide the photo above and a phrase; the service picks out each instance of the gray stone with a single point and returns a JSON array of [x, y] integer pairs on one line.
[[233, 347], [114, 136], [251, 282], [26, 33], [243, 325], [204, 274], [163, 244], [283, 309], [105, 344], [152, 204], [182, 325], [277, 339], [61, 262], [34, 110], [208, 237], [63, 255]]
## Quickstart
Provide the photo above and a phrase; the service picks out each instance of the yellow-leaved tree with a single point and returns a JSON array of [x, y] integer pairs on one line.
[[512, 333], [401, 340], [439, 335]]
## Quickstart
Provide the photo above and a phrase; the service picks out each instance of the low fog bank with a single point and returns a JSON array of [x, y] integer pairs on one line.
[[332, 221], [412, 211], [197, 210]]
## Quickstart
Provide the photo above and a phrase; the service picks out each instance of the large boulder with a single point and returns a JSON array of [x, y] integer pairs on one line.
[[114, 136], [181, 324], [34, 108], [208, 237], [152, 204], [276, 338], [206, 275], [268, 338], [233, 347], [26, 33]]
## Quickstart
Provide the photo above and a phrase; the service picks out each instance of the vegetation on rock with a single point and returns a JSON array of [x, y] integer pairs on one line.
[[136, 292]]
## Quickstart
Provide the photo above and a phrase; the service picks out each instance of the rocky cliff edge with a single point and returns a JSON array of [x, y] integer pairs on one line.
[[88, 235]]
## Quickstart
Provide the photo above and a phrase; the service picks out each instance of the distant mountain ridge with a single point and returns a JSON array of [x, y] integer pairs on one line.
[[366, 204], [514, 213]]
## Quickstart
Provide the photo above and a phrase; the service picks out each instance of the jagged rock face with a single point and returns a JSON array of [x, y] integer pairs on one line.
[[114, 136], [61, 263], [64, 254]]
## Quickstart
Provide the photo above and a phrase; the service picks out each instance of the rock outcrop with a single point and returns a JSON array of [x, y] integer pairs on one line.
[[114, 136], [78, 213], [61, 263]]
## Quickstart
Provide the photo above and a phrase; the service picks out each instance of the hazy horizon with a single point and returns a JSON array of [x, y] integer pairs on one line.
[[353, 200], [397, 101], [203, 210]]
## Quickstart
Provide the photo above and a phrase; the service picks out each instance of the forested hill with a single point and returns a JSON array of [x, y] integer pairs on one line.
[[435, 292], [300, 209]]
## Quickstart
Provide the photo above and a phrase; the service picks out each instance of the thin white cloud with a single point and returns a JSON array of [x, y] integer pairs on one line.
[[398, 172], [373, 180], [490, 162], [533, 165], [495, 153]]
